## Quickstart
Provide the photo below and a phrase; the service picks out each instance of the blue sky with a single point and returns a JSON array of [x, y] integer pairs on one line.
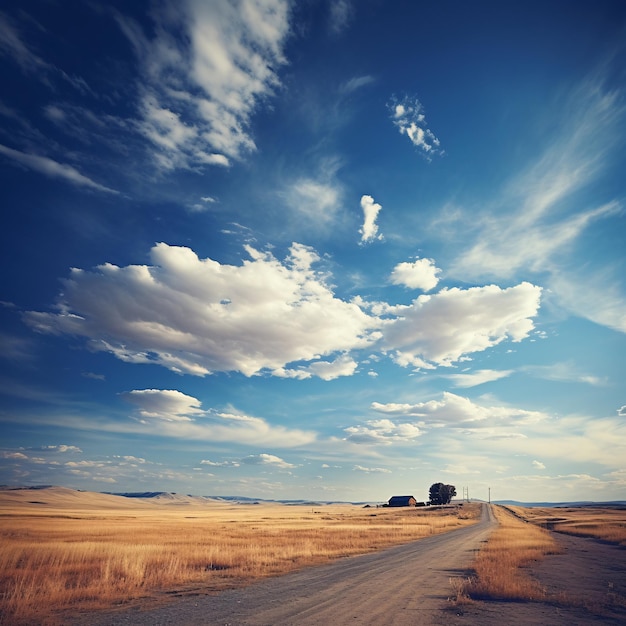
[[322, 250]]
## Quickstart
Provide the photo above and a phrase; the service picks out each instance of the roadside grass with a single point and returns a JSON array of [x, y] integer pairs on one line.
[[499, 565], [55, 560], [604, 523]]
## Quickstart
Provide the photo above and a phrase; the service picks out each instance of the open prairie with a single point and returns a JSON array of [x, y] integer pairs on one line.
[[606, 523], [66, 550], [557, 565]]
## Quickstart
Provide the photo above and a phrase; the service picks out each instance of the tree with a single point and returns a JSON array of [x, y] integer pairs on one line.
[[441, 494]]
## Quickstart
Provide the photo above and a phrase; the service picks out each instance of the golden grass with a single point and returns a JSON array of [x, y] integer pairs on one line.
[[605, 523], [498, 567], [55, 559]]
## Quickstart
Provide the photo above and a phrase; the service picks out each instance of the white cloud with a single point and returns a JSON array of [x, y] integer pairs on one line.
[[266, 459], [371, 470], [342, 366], [369, 230], [383, 431], [478, 377], [622, 411], [173, 414], [220, 463], [201, 90], [198, 316], [166, 404], [442, 328], [459, 412], [53, 169], [539, 465], [408, 117], [420, 274], [62, 449]]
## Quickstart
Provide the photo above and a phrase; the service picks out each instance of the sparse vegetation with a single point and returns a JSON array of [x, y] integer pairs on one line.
[[522, 538], [56, 559], [605, 523], [498, 573]]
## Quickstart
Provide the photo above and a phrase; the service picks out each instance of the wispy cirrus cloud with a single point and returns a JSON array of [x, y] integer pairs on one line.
[[199, 92], [478, 377], [371, 470], [538, 220], [53, 169]]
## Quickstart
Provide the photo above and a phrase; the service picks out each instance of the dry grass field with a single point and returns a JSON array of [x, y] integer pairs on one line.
[[581, 580], [498, 567], [605, 523], [65, 550]]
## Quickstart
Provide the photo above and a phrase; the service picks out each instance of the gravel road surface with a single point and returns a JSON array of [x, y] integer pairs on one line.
[[406, 585]]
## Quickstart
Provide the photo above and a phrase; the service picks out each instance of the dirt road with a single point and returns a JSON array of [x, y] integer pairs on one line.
[[404, 586]]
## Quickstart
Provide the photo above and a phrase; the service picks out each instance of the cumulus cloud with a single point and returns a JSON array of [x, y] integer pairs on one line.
[[166, 404], [539, 465], [407, 115], [383, 431], [53, 169], [199, 91], [622, 411], [420, 274], [266, 459], [198, 316], [459, 412], [369, 230], [442, 328], [342, 366]]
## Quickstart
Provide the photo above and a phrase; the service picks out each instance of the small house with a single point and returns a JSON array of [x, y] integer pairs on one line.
[[402, 501]]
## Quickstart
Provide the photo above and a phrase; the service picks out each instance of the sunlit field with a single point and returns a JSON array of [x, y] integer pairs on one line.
[[523, 537], [607, 524], [498, 565], [56, 559]]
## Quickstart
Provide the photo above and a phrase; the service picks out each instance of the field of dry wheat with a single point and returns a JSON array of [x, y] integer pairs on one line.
[[498, 567], [56, 559], [523, 538], [605, 523]]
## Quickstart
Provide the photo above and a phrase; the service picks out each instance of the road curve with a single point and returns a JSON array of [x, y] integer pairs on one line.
[[402, 586]]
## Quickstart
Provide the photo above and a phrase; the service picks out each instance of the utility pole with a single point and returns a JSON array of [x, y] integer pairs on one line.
[[489, 495]]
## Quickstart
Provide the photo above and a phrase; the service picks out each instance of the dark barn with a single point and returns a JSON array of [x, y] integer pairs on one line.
[[402, 501]]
